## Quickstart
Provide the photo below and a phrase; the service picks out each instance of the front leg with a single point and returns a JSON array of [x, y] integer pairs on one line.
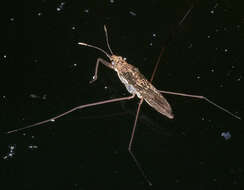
[[100, 60]]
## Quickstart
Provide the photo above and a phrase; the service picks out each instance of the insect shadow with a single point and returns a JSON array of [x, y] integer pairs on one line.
[[137, 85]]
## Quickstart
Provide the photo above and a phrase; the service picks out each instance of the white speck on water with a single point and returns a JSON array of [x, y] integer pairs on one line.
[[209, 36], [4, 97], [32, 136], [73, 28], [132, 13], [226, 135], [233, 66], [154, 35], [32, 146], [216, 30], [190, 45], [221, 85], [105, 87], [12, 19], [75, 65], [212, 11], [12, 147], [212, 70], [226, 50], [11, 152], [34, 96], [239, 78], [60, 6], [44, 97], [39, 14], [4, 56], [198, 76], [86, 10], [150, 44], [111, 1]]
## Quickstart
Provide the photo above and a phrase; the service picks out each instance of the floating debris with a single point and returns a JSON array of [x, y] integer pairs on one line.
[[226, 135], [11, 152], [32, 147], [60, 6], [132, 13]]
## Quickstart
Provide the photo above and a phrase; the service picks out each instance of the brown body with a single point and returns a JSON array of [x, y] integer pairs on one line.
[[136, 83]]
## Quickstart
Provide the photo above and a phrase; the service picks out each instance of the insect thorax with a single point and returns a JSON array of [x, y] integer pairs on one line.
[[126, 73], [130, 88]]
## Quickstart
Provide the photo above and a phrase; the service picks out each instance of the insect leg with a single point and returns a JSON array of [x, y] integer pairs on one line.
[[163, 48], [71, 110], [131, 142], [203, 98], [100, 60]]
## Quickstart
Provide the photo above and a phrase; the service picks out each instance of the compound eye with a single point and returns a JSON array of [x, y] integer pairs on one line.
[[112, 62]]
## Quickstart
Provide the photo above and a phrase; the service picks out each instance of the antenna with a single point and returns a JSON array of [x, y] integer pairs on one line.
[[106, 34], [95, 47]]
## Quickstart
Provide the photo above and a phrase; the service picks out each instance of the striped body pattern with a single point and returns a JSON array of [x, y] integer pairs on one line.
[[136, 83]]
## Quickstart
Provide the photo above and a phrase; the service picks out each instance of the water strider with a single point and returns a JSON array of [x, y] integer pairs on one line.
[[137, 85]]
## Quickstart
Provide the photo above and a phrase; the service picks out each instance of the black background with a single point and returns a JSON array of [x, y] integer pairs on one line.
[[44, 72]]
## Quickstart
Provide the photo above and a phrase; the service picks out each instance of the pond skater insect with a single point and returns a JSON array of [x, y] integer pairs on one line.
[[137, 85]]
